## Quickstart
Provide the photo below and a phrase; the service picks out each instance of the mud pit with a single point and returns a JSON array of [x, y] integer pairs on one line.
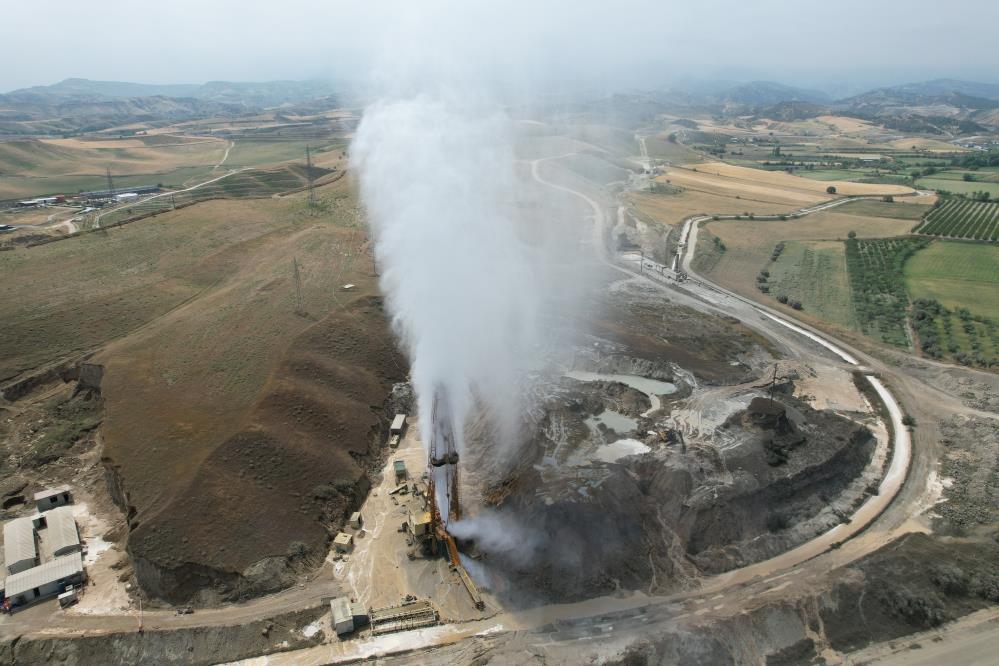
[[654, 462]]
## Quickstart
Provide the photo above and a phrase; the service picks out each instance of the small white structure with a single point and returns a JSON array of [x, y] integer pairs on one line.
[[68, 598], [126, 196], [343, 542], [398, 425], [356, 521], [20, 552], [50, 498], [47, 580]]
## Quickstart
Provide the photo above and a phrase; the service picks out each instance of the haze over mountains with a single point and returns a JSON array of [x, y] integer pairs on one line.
[[940, 106]]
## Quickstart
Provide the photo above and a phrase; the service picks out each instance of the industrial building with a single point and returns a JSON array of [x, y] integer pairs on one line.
[[48, 580], [50, 498], [104, 195], [347, 615], [20, 552]]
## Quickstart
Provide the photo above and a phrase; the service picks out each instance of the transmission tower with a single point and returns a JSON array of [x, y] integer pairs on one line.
[[299, 308], [110, 185], [308, 173]]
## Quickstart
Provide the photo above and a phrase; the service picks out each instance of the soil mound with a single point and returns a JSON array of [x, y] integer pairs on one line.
[[263, 503]]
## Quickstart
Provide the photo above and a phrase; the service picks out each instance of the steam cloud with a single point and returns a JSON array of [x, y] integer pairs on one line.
[[437, 176]]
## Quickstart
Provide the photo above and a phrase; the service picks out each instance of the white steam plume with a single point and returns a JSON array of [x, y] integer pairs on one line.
[[437, 176]]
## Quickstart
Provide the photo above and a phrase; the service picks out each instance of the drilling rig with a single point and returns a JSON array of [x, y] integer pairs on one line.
[[442, 474]]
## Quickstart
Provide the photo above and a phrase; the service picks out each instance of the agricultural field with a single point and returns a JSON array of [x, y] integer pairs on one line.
[[901, 209], [875, 268], [813, 273], [768, 186], [963, 218], [956, 287], [956, 186], [750, 249], [252, 153]]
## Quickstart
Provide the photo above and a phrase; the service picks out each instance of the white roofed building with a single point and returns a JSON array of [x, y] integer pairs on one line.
[[20, 551]]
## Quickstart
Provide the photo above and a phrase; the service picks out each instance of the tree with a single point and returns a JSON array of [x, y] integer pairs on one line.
[[831, 189], [672, 137], [852, 234], [888, 198], [967, 177]]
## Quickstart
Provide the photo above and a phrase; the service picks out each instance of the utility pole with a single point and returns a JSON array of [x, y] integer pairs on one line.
[[773, 382], [299, 309], [308, 173]]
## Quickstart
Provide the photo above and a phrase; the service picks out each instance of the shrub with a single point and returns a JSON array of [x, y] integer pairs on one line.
[[831, 189]]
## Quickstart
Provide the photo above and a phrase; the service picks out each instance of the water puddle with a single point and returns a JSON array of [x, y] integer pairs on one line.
[[620, 423], [620, 449], [650, 387]]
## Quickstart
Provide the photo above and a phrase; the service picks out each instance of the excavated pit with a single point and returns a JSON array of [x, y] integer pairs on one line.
[[638, 473]]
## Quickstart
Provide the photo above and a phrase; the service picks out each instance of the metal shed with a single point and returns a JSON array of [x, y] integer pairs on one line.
[[343, 616], [53, 497], [47, 580], [20, 551], [343, 542], [62, 535]]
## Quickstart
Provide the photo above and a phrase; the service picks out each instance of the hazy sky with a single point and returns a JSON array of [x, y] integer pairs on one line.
[[598, 43]]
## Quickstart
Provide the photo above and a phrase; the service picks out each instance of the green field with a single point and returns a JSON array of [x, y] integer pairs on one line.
[[875, 267], [957, 186], [252, 153], [814, 274], [14, 186], [964, 279], [957, 275], [896, 210], [833, 174], [962, 218]]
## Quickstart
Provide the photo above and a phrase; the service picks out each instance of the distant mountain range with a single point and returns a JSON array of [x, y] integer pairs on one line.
[[82, 105], [941, 106]]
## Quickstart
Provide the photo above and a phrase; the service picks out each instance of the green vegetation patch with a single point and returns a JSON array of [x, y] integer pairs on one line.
[[814, 274], [893, 209], [963, 218], [875, 268]]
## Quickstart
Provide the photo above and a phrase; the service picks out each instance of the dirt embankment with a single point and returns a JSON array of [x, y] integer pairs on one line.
[[262, 505], [196, 645]]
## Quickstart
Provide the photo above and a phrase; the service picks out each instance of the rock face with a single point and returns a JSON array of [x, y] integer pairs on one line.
[[659, 519], [262, 504]]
